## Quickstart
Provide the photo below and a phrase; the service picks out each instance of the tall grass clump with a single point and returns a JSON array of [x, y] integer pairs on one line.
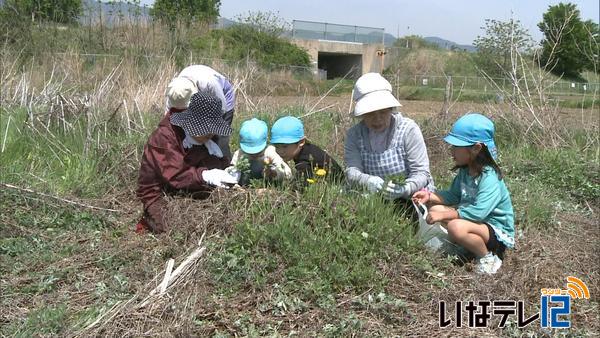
[[315, 242]]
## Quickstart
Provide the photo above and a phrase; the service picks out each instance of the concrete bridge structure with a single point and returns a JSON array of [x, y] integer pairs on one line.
[[335, 59], [340, 50]]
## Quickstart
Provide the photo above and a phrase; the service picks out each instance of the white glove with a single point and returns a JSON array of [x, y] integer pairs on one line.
[[393, 191], [234, 172], [374, 184], [218, 178]]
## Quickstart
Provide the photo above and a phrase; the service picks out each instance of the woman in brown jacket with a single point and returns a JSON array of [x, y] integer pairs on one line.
[[181, 155]]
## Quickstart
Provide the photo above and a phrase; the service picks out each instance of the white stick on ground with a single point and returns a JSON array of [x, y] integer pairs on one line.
[[181, 270], [167, 278], [6, 133], [171, 279]]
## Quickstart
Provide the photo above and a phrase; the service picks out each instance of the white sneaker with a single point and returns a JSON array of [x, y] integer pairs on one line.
[[488, 264]]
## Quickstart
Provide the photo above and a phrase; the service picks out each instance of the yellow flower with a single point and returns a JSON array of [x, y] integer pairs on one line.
[[311, 180], [267, 160], [321, 172]]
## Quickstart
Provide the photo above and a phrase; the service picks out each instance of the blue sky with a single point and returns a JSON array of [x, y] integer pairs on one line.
[[456, 20]]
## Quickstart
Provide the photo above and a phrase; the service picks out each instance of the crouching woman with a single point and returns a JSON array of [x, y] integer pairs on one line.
[[181, 155]]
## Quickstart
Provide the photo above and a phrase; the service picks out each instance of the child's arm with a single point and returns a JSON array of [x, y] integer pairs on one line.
[[277, 163], [444, 215], [444, 197], [427, 197], [435, 199]]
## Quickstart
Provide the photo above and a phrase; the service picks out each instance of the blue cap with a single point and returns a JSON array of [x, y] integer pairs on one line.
[[287, 130], [253, 136], [471, 129]]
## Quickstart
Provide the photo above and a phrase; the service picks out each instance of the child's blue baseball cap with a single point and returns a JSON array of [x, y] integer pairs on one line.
[[471, 129], [287, 130], [253, 136]]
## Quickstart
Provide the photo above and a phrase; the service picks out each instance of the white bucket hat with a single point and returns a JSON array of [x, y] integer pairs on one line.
[[372, 92], [179, 91]]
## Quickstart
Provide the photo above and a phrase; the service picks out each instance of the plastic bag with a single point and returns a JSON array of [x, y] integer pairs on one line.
[[434, 236]]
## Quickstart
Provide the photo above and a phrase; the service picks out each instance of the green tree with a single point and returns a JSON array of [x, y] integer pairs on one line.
[[265, 22], [565, 36], [591, 46], [494, 48], [61, 11], [242, 41], [170, 11]]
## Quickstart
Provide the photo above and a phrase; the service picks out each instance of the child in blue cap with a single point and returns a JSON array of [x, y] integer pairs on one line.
[[287, 135], [483, 219], [263, 161]]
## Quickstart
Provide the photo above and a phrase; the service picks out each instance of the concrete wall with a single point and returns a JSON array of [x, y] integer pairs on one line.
[[370, 61]]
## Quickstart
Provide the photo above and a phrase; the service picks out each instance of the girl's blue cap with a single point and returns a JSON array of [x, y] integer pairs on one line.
[[253, 136], [287, 130], [471, 129]]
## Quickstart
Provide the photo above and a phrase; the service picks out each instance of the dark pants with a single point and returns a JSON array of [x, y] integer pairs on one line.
[[493, 245]]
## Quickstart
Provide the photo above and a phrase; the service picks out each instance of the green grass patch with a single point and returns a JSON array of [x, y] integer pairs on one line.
[[79, 159], [49, 320], [321, 242]]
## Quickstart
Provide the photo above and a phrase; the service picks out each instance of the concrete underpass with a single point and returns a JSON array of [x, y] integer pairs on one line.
[[337, 65]]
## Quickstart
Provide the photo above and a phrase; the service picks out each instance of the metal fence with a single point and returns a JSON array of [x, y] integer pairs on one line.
[[329, 31], [490, 85]]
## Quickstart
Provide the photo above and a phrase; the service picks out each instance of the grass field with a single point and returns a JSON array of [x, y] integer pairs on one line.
[[319, 262]]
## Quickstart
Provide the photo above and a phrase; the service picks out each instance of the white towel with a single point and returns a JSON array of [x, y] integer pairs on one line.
[[212, 146]]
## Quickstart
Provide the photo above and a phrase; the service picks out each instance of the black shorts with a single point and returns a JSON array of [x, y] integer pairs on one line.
[[493, 245]]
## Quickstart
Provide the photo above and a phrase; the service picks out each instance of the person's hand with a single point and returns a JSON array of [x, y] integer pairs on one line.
[[434, 217], [421, 196], [374, 184], [218, 178], [393, 191], [233, 171]]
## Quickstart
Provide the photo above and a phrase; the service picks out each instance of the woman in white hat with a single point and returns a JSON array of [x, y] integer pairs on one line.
[[384, 143], [199, 77]]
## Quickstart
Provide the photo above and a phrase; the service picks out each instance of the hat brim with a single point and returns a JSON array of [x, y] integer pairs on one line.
[[375, 101], [195, 125], [285, 140], [253, 149], [455, 141]]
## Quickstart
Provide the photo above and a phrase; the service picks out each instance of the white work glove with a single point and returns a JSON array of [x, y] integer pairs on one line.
[[218, 178], [393, 191], [374, 184], [234, 172]]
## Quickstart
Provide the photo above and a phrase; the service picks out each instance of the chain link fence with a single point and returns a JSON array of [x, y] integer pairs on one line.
[[489, 85], [329, 31]]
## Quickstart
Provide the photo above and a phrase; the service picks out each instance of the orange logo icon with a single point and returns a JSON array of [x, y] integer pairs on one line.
[[577, 289]]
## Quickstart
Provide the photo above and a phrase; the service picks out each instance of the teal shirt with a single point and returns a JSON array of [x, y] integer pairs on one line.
[[483, 199]]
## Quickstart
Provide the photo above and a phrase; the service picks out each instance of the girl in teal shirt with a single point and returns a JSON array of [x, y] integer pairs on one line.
[[477, 209]]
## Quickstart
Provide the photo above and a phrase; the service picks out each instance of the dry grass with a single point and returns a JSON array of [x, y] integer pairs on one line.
[[196, 307]]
